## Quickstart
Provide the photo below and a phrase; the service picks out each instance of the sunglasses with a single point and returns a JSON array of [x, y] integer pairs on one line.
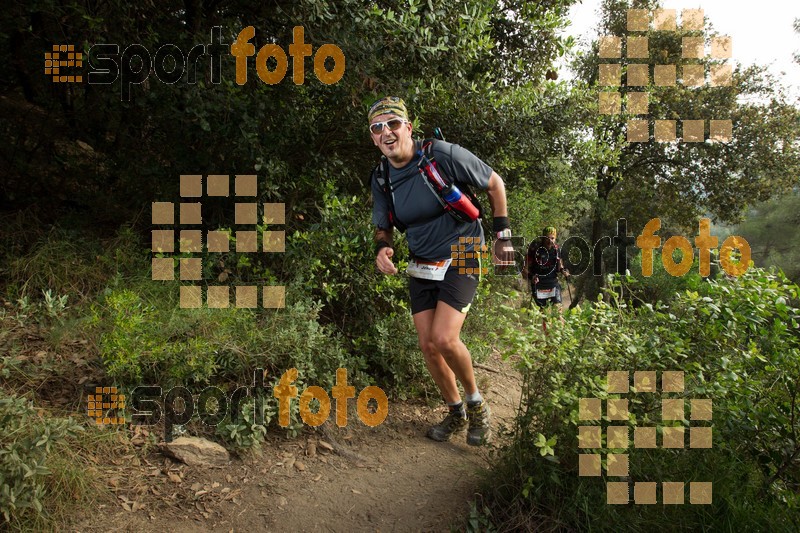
[[393, 124]]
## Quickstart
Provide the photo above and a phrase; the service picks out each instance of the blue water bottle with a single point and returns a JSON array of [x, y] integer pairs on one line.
[[459, 202]]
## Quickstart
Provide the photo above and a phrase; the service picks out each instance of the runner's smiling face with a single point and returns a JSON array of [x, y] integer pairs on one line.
[[397, 145]]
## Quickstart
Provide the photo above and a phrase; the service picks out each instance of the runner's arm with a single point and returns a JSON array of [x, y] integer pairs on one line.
[[384, 235], [497, 196], [383, 258], [561, 267]]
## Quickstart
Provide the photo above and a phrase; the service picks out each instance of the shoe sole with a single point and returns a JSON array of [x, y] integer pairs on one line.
[[445, 439], [484, 439]]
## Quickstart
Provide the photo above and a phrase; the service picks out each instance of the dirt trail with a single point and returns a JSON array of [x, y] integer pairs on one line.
[[389, 478]]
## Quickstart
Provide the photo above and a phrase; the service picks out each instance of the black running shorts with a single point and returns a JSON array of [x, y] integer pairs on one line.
[[456, 290]]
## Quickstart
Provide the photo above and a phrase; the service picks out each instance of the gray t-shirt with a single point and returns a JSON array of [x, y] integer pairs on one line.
[[429, 236]]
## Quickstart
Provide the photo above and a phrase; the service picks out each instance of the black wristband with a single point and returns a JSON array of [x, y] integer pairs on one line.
[[499, 224], [381, 244]]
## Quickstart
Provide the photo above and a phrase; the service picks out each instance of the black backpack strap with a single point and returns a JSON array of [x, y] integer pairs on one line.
[[381, 175], [558, 257]]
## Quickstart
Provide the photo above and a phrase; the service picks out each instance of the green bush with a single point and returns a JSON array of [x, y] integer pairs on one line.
[[147, 337], [737, 343], [368, 309], [27, 441], [662, 286], [71, 262], [141, 339], [396, 357], [337, 255], [243, 432]]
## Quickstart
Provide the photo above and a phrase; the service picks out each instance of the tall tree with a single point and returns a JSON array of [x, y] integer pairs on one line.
[[446, 58], [680, 180]]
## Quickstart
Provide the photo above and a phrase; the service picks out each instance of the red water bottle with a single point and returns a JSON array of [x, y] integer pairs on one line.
[[449, 193], [458, 201]]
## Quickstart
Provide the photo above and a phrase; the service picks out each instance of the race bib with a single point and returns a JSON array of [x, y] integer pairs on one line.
[[433, 271], [544, 294]]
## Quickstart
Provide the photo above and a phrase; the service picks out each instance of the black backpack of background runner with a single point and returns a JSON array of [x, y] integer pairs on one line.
[[534, 271], [381, 172]]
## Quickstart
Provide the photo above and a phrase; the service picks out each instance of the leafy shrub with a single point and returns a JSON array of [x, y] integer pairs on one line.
[[148, 337], [737, 343], [71, 262], [243, 432], [369, 309], [141, 340], [662, 286], [338, 265], [26, 443], [396, 356]]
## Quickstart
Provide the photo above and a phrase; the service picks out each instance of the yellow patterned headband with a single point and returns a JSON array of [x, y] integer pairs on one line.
[[388, 104]]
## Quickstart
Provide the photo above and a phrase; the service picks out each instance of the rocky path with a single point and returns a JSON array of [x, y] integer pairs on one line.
[[388, 478]]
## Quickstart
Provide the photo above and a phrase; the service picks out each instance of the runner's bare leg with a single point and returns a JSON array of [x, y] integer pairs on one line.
[[442, 375]]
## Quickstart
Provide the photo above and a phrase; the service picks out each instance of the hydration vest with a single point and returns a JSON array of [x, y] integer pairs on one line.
[[381, 175]]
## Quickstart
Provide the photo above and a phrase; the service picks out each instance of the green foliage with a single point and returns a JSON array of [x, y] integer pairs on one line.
[[26, 443], [473, 67], [681, 182], [491, 301], [771, 229], [480, 519], [135, 346], [396, 357], [336, 252], [661, 286], [737, 343], [368, 308], [71, 262], [243, 432], [447, 59], [144, 336], [530, 210], [52, 309], [61, 261]]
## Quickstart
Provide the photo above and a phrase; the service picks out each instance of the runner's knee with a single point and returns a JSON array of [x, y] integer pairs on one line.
[[446, 344], [428, 348]]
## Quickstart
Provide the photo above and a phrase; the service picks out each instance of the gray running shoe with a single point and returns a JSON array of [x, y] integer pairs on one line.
[[478, 414], [453, 422]]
